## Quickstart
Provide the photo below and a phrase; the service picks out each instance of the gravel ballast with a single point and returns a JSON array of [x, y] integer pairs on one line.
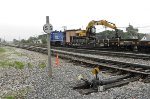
[[38, 85]]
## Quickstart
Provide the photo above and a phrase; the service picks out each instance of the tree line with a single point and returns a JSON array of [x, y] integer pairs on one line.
[[131, 33]]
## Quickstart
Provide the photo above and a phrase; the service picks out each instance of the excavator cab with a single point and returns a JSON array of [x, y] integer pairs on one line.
[[91, 32]]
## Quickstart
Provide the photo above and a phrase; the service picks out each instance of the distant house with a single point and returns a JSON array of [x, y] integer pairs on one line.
[[146, 38], [39, 41]]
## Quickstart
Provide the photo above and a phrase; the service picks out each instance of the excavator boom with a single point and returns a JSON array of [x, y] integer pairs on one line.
[[91, 26], [90, 31], [106, 23]]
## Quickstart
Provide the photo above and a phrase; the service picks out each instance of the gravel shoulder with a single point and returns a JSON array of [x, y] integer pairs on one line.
[[32, 81]]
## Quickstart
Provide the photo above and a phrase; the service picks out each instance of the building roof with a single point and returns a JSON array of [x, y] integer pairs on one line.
[[72, 30], [146, 38]]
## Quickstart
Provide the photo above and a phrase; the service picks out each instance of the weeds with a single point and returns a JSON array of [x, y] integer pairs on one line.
[[18, 65], [5, 63], [9, 97], [42, 65], [15, 64], [30, 65], [20, 94]]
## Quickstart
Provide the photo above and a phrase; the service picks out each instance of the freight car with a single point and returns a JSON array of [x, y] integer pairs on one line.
[[144, 46], [114, 44]]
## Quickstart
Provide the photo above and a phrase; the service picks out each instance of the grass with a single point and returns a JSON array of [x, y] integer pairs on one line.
[[15, 64], [19, 54], [18, 65], [9, 97], [5, 63], [42, 65], [2, 50], [30, 65], [20, 94]]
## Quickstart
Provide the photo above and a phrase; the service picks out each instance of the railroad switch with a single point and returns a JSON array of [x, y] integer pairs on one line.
[[90, 86]]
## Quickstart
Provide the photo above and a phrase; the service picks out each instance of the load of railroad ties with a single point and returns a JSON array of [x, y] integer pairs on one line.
[[86, 86]]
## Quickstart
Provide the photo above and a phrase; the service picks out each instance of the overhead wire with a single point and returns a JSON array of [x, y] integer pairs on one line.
[[137, 27]]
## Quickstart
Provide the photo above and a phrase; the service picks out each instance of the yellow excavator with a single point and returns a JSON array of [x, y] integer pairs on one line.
[[90, 31]]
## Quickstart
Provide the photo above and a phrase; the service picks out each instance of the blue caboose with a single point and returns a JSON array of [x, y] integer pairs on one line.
[[57, 38]]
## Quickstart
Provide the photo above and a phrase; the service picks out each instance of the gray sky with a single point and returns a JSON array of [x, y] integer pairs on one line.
[[24, 18]]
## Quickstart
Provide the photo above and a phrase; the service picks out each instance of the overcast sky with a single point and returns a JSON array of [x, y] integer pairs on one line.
[[21, 19]]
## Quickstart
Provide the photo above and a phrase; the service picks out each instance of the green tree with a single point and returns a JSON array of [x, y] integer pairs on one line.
[[15, 41], [32, 40], [43, 38], [23, 41], [133, 32]]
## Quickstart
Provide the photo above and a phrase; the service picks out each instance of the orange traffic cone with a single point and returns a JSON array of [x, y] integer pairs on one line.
[[56, 59]]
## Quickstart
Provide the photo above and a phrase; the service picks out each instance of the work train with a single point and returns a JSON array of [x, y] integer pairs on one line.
[[68, 39]]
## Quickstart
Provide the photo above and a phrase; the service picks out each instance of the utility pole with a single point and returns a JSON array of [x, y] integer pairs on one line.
[[64, 27], [47, 28]]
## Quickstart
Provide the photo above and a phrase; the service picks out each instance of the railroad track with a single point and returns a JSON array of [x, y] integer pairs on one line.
[[107, 53], [124, 66], [94, 61], [95, 52], [135, 71]]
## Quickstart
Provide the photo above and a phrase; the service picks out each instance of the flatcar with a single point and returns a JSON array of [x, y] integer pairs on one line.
[[144, 46]]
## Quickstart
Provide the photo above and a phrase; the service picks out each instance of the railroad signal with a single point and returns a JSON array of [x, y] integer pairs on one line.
[[47, 28]]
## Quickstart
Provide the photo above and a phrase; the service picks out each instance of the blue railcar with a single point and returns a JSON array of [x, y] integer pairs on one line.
[[57, 38]]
